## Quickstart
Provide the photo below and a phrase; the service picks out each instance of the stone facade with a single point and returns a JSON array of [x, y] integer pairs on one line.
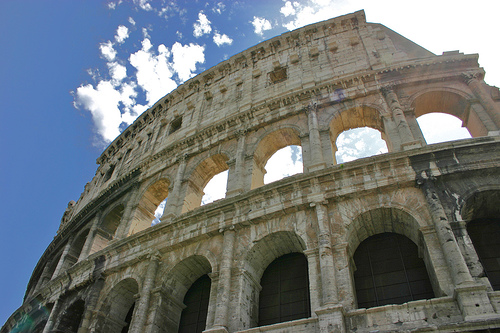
[[109, 270]]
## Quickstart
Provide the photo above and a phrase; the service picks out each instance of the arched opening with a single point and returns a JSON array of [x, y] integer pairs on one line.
[[189, 274], [441, 127], [200, 177], [149, 208], [194, 316], [389, 271], [77, 247], [285, 290], [71, 318], [357, 132], [215, 188], [452, 104], [116, 314], [359, 143], [257, 260], [107, 229], [284, 163], [270, 145], [482, 211]]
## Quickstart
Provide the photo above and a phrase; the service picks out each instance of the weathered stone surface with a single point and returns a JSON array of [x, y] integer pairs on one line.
[[109, 268]]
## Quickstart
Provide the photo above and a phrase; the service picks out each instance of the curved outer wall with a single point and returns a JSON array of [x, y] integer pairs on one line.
[[301, 88]]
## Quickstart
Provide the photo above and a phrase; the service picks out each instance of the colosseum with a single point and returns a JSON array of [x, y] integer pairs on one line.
[[406, 241]]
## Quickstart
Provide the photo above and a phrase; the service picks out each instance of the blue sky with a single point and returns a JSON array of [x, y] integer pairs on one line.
[[75, 73]]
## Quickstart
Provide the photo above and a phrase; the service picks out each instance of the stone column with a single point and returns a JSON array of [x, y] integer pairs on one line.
[[317, 162], [345, 289], [91, 304], [90, 237], [475, 84], [224, 285], [407, 140], [141, 312], [236, 179], [52, 317], [175, 204], [468, 250], [64, 255], [328, 286], [472, 297]]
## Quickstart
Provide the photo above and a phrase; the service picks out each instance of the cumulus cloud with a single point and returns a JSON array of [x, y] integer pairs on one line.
[[131, 20], [222, 39], [185, 58], [108, 51], [219, 8], [284, 163], [121, 34], [260, 24], [113, 102], [310, 12], [201, 26], [102, 102], [143, 4]]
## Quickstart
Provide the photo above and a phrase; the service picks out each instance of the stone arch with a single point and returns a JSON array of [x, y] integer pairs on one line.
[[254, 263], [155, 192], [77, 246], [71, 317], [200, 176], [355, 117], [450, 101], [481, 212], [107, 227], [177, 282], [269, 144], [116, 306]]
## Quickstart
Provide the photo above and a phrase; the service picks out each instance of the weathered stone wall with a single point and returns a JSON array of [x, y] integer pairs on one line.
[[303, 88]]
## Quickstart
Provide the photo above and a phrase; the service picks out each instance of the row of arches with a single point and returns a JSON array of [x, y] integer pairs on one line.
[[389, 264]]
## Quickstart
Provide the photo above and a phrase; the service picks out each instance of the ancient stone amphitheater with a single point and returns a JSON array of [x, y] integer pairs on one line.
[[403, 241]]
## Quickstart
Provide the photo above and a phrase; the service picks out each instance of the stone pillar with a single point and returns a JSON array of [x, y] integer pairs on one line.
[[141, 312], [467, 248], [345, 289], [414, 127], [236, 178], [174, 205], [128, 214], [314, 280], [475, 84], [472, 297], [328, 153], [91, 304], [90, 237], [328, 286], [405, 134], [64, 255], [52, 317], [317, 162], [224, 285]]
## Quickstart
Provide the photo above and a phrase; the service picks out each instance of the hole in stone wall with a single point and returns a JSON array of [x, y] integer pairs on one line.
[[441, 127], [159, 212], [358, 143], [175, 125], [215, 188], [283, 163]]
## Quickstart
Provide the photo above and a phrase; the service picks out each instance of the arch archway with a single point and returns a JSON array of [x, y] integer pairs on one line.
[[107, 228], [144, 214], [71, 317], [353, 118], [199, 178], [267, 147]]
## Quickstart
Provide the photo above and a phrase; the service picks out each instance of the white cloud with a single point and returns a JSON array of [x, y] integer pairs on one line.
[[117, 72], [121, 34], [202, 26], [358, 143], [219, 8], [131, 20], [107, 50], [145, 33], [102, 102], [440, 127], [288, 9], [143, 4], [154, 74], [222, 39], [185, 59], [260, 25]]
